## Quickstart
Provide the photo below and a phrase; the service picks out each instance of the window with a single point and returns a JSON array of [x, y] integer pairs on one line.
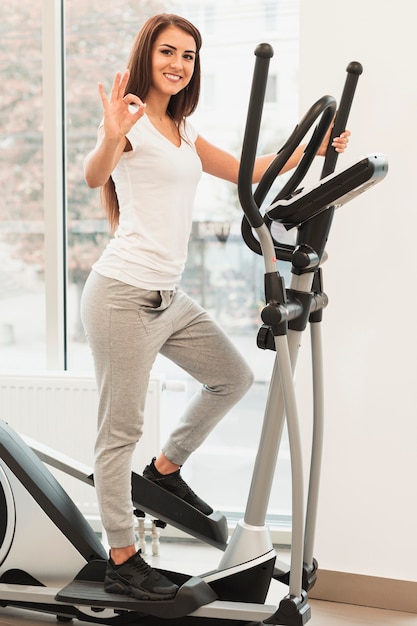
[[208, 91], [222, 273], [209, 17], [22, 228], [271, 15], [271, 89]]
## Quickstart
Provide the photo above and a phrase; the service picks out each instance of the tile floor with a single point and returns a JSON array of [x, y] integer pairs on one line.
[[197, 558]]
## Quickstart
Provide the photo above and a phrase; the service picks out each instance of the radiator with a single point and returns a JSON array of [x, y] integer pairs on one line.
[[59, 410]]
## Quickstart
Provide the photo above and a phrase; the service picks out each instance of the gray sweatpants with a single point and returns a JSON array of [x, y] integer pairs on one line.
[[126, 328]]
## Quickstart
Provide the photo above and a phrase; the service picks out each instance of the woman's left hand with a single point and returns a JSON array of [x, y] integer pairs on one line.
[[339, 143]]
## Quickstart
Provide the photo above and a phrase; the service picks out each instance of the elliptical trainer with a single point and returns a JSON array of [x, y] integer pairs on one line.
[[68, 580]]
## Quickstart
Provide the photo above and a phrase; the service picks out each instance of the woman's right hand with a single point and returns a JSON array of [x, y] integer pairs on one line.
[[118, 116], [118, 119]]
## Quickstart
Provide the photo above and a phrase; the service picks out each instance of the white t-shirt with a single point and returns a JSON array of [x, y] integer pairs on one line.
[[155, 183]]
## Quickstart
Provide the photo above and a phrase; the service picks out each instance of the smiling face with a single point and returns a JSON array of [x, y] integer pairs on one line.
[[173, 60]]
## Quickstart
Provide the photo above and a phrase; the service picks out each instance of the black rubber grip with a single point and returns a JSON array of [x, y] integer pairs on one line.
[[354, 70], [263, 53]]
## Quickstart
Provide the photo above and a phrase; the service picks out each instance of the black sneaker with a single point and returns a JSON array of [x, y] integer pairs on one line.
[[138, 579], [177, 486]]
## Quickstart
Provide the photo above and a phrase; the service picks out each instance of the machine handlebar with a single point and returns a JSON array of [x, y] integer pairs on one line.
[[263, 53], [324, 108], [354, 70]]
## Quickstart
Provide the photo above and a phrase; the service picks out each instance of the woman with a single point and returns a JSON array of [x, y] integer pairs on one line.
[[148, 161]]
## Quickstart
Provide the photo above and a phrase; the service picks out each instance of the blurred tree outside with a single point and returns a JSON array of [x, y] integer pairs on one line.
[[97, 43], [21, 214]]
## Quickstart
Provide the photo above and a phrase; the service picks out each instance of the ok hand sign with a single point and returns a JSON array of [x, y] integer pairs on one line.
[[119, 116]]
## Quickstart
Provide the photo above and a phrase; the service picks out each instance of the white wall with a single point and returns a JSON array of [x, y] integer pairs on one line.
[[368, 506]]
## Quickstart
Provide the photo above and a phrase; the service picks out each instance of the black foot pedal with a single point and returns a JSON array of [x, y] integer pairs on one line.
[[87, 589]]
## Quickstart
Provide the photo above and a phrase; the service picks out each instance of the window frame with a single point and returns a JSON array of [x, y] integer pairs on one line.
[[54, 151]]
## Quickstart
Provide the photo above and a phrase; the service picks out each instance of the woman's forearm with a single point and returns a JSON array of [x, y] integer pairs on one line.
[[101, 161]]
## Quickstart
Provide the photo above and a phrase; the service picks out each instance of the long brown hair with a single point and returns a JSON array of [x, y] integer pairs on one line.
[[140, 66]]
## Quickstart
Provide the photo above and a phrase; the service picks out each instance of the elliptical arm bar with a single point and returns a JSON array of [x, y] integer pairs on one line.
[[325, 106], [263, 54], [354, 70], [60, 461], [286, 151]]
